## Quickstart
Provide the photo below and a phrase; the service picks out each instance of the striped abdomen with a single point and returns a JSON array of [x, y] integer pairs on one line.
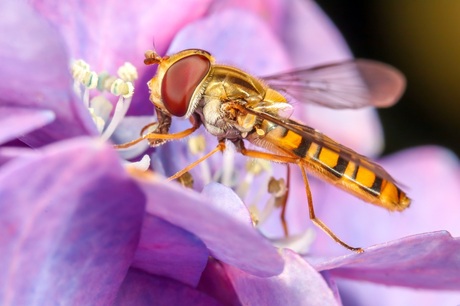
[[334, 163]]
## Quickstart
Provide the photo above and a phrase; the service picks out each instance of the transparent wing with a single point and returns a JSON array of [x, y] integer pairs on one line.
[[351, 84], [319, 138]]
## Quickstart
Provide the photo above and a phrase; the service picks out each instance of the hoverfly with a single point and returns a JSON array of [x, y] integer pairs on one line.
[[236, 106]]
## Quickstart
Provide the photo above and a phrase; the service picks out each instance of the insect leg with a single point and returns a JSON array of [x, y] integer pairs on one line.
[[296, 160], [157, 136], [220, 147], [317, 221]]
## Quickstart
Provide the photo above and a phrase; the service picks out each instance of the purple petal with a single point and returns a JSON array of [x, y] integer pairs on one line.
[[17, 121], [227, 237], [412, 262], [69, 230], [9, 153], [432, 180], [248, 44], [216, 283], [364, 293], [224, 198], [140, 288], [167, 250], [310, 36], [299, 284], [107, 33], [270, 11], [35, 73], [332, 285]]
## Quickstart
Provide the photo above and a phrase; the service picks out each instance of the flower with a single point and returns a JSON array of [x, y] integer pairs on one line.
[[85, 231]]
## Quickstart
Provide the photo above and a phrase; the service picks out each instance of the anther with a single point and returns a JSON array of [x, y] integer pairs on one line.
[[197, 144], [90, 79], [127, 72], [277, 188], [122, 88]]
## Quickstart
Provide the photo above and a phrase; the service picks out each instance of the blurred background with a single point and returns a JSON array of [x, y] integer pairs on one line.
[[422, 39]]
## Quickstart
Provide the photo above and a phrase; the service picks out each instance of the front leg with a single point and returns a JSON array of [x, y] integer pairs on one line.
[[156, 139]]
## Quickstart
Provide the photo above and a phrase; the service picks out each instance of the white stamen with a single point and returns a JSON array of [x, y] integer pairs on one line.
[[90, 79], [102, 106], [129, 90], [127, 72], [78, 69], [197, 146], [277, 190], [122, 88], [105, 81], [98, 121], [254, 168], [143, 164], [228, 160], [267, 210], [77, 88], [86, 97], [119, 113]]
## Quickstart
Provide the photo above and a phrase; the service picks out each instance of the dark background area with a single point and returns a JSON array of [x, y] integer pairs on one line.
[[422, 39]]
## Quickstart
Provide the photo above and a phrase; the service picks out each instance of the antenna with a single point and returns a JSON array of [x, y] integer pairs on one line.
[[151, 56]]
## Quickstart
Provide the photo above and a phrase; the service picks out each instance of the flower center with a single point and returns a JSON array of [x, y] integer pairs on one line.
[[93, 89], [264, 195], [99, 106]]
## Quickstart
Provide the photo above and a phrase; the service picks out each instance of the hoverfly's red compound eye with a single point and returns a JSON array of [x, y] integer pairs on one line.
[[180, 82]]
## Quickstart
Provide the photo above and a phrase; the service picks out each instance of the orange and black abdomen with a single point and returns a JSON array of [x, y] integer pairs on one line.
[[339, 166]]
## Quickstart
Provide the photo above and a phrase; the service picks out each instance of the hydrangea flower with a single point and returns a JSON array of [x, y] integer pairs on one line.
[[81, 229]]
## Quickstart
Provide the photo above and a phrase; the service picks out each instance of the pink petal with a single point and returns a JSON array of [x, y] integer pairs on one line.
[[17, 121], [299, 284], [69, 230], [413, 261], [167, 250], [229, 240], [140, 288]]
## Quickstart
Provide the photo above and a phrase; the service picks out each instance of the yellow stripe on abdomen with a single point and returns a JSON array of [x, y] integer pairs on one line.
[[339, 168], [329, 158], [365, 178]]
